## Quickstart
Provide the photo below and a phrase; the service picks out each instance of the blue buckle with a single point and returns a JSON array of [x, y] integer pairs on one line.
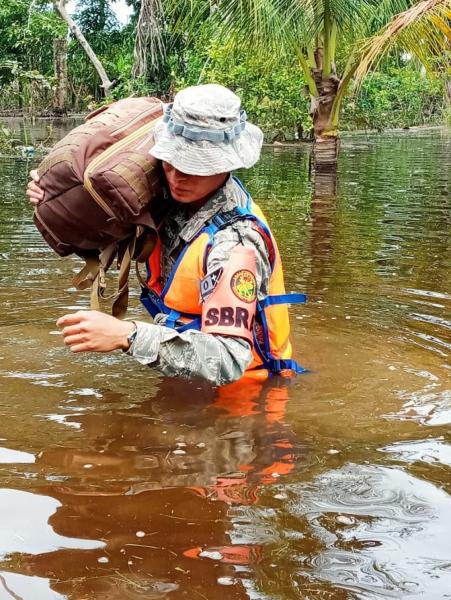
[[228, 217], [172, 319], [218, 221], [276, 365]]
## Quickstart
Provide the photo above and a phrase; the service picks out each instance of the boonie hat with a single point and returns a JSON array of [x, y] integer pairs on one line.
[[205, 132]]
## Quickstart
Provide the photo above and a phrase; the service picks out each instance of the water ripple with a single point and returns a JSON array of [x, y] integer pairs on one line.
[[374, 531], [432, 451]]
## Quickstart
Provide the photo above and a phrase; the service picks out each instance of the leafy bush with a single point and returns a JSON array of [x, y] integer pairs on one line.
[[273, 92], [396, 97]]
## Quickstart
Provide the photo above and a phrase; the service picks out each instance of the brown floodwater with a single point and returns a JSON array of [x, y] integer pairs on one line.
[[118, 483]]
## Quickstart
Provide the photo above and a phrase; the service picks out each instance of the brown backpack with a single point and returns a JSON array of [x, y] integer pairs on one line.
[[99, 182]]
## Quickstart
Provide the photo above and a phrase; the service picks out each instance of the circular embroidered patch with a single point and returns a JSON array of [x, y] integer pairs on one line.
[[244, 285]]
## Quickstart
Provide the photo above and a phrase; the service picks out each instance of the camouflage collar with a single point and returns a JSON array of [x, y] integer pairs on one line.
[[226, 198]]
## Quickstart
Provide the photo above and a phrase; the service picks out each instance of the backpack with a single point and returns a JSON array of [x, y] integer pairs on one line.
[[99, 183]]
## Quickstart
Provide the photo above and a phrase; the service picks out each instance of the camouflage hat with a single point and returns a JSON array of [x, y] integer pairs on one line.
[[205, 132]]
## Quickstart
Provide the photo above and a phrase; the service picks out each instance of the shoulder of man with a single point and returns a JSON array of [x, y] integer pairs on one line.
[[242, 233]]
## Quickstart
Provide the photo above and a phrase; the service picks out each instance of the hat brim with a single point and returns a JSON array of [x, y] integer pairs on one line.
[[203, 157]]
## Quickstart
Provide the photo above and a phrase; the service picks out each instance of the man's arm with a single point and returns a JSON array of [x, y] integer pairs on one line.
[[218, 358]]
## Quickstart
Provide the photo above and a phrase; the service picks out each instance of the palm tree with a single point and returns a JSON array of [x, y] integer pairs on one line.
[[316, 31]]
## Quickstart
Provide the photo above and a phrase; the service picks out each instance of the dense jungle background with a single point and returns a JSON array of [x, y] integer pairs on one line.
[[164, 46]]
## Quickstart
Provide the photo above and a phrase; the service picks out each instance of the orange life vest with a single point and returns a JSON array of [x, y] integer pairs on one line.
[[180, 297]]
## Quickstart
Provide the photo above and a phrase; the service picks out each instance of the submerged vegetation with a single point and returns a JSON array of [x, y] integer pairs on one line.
[[14, 146], [8, 143]]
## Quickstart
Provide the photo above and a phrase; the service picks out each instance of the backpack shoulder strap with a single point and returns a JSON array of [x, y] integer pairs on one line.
[[225, 219]]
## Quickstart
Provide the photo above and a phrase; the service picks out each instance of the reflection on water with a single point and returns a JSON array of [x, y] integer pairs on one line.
[[116, 483], [153, 482], [13, 585], [429, 451], [28, 531]]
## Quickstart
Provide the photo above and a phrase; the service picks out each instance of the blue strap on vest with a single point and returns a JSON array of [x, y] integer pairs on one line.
[[193, 324], [172, 319], [226, 218], [289, 298], [276, 366], [174, 316], [223, 220], [151, 302]]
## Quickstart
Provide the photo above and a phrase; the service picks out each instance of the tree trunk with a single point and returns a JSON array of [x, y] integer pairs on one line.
[[448, 91], [61, 9], [325, 152], [149, 45], [60, 68], [326, 143]]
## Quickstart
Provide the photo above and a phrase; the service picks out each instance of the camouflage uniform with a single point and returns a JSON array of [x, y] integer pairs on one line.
[[219, 359]]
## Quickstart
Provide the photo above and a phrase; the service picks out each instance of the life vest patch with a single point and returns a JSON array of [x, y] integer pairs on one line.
[[230, 308], [230, 316], [244, 285], [209, 282]]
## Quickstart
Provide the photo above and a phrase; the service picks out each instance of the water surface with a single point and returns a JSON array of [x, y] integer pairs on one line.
[[118, 483]]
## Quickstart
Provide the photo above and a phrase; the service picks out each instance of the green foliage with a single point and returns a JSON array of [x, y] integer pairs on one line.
[[27, 31], [96, 18], [270, 92], [112, 45], [318, 32], [116, 57], [395, 97], [27, 90], [271, 86], [26, 35], [447, 115]]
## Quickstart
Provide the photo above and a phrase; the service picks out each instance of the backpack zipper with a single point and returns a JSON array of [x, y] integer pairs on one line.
[[138, 117], [104, 156]]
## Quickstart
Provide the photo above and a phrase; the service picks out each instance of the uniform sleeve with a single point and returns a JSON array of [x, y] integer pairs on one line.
[[219, 359]]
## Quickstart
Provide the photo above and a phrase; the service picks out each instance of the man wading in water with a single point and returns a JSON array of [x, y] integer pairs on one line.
[[215, 283]]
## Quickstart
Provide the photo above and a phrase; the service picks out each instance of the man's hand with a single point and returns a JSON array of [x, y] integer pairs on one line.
[[34, 192], [93, 331]]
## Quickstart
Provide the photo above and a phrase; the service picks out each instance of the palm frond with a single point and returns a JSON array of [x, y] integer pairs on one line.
[[260, 24], [272, 23], [423, 30]]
